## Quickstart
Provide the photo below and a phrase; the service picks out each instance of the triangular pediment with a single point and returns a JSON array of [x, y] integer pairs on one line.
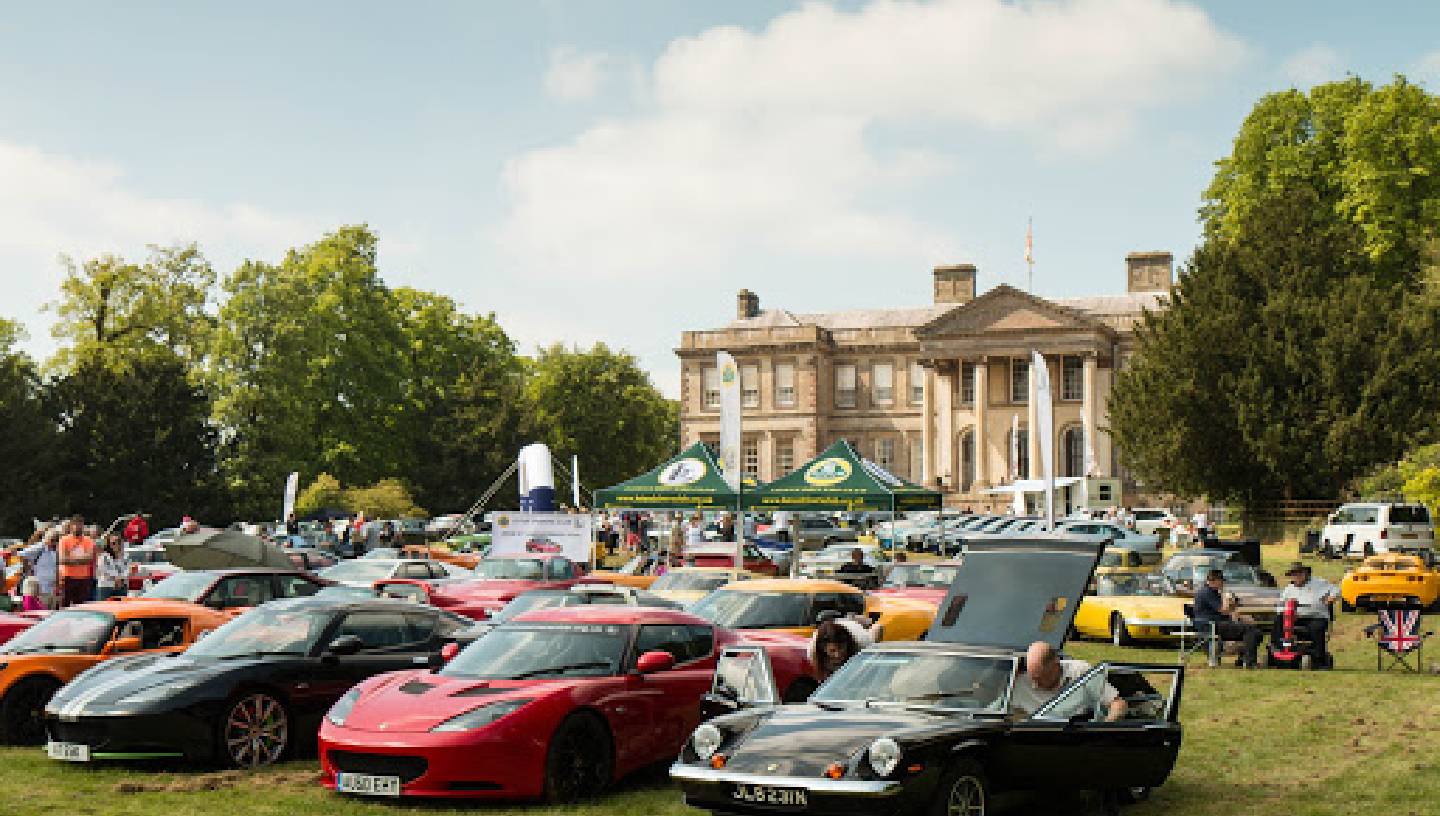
[[1006, 309]]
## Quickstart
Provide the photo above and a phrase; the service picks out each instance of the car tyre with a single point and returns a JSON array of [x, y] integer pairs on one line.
[[254, 731], [1119, 632], [22, 711], [800, 690], [579, 761], [1132, 796], [964, 791]]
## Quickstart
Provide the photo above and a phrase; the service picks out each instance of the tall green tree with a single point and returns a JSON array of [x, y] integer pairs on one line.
[[600, 405], [1296, 349], [116, 311], [27, 444]]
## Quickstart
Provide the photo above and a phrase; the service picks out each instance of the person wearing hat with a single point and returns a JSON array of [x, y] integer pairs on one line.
[[1313, 597]]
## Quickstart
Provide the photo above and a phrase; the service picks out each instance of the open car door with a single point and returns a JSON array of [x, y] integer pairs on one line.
[[743, 679]]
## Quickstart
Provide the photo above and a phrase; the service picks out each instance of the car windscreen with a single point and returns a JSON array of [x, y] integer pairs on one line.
[[524, 569], [359, 571], [920, 575], [146, 556], [941, 680], [69, 631], [1118, 586], [530, 601], [755, 610], [182, 586], [690, 581], [265, 631], [1409, 514], [521, 651], [1148, 515]]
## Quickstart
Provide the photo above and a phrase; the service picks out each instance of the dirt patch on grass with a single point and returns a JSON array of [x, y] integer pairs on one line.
[[220, 780]]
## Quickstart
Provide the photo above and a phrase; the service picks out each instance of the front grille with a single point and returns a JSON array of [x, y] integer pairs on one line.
[[473, 786], [82, 733], [408, 768]]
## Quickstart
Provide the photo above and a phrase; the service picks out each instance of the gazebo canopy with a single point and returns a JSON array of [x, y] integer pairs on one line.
[[691, 479], [841, 479]]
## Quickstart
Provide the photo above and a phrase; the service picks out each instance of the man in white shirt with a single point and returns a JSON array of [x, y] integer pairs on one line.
[[1201, 522], [1046, 676], [781, 525], [1312, 597]]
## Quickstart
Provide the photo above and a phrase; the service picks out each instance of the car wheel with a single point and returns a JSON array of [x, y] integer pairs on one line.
[[1119, 632], [800, 690], [1132, 796], [964, 791], [22, 712], [580, 760], [255, 730]]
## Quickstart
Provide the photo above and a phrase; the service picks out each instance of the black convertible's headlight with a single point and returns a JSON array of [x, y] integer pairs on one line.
[[883, 756]]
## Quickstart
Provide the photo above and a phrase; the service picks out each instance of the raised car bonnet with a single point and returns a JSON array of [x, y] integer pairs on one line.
[[1010, 593]]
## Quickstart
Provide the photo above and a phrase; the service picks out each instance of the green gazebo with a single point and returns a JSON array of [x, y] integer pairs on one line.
[[841, 479], [689, 480]]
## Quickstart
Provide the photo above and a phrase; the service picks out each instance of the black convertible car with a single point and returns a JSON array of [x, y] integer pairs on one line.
[[251, 690], [930, 726]]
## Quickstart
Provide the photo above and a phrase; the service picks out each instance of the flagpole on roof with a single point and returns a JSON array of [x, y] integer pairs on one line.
[[1029, 255]]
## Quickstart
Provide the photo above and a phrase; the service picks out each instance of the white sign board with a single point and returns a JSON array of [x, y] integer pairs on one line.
[[567, 534]]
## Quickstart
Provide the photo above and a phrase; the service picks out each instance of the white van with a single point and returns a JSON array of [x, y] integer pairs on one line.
[[1360, 529]]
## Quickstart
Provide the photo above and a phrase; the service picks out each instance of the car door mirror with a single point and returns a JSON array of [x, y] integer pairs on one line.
[[345, 645], [445, 655], [121, 645], [656, 661]]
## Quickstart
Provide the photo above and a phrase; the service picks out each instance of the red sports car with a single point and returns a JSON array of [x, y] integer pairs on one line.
[[12, 624], [555, 704], [498, 579]]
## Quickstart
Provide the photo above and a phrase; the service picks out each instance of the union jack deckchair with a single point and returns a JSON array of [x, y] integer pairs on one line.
[[1397, 636]]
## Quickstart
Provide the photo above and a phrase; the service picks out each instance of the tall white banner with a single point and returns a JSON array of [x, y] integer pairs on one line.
[[729, 418], [1045, 421], [292, 488]]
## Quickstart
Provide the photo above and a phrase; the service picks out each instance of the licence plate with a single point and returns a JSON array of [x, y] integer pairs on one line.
[[68, 751], [768, 795], [1409, 535], [368, 785]]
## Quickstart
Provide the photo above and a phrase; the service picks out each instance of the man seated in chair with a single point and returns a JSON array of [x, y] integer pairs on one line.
[[1313, 597], [1046, 676], [1213, 608]]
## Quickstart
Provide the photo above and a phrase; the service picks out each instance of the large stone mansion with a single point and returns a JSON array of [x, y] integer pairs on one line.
[[932, 392]]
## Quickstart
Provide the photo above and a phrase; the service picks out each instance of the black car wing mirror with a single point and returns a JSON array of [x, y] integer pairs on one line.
[[345, 645]]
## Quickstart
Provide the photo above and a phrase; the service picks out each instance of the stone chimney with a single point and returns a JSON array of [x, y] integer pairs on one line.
[[955, 284], [747, 304], [1149, 271]]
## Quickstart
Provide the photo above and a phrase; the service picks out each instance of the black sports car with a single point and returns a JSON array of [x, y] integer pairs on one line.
[[939, 726], [252, 690]]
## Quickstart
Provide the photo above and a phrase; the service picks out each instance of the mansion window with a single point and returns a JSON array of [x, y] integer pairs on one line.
[[750, 459], [784, 457], [1072, 378], [1019, 453], [1072, 452], [785, 385], [844, 386], [710, 391], [1019, 381], [917, 383], [885, 454], [883, 383], [967, 383], [917, 464], [967, 461], [750, 386]]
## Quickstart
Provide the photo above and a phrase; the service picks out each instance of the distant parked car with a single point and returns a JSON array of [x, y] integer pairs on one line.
[[1147, 545], [1151, 520], [1362, 529]]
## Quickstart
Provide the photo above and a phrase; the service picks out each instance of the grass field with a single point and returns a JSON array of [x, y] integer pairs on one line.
[[1256, 742]]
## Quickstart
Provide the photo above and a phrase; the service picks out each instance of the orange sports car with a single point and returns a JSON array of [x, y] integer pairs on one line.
[[37, 662]]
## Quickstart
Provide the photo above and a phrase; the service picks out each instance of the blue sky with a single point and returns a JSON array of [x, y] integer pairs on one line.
[[616, 171]]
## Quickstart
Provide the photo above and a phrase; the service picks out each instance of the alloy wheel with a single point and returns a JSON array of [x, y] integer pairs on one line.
[[967, 798], [256, 731]]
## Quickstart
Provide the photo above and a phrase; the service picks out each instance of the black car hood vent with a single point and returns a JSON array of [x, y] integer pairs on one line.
[[479, 691], [415, 687]]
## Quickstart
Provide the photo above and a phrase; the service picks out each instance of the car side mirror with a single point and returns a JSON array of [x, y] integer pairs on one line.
[[437, 660], [345, 645], [656, 661], [122, 645]]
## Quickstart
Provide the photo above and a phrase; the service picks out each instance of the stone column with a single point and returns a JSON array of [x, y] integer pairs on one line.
[[1032, 422], [766, 445], [927, 430], [982, 411], [1088, 411], [945, 426]]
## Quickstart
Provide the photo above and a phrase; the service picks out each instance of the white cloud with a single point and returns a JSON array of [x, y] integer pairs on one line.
[[1427, 69], [758, 145], [577, 76], [1313, 65], [52, 204]]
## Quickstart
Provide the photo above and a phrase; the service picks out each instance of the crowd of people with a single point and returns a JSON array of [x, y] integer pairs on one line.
[[69, 563]]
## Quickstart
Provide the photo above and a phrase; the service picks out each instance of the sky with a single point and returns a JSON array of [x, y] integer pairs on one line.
[[618, 171]]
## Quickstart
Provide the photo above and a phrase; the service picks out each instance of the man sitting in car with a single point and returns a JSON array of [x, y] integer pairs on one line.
[[1046, 676]]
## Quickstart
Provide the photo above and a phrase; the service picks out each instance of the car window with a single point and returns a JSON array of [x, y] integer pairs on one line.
[[846, 603], [1409, 514], [1148, 694], [1364, 515], [241, 590], [436, 570], [423, 627], [561, 568], [293, 586], [158, 633], [686, 643], [414, 570], [378, 630]]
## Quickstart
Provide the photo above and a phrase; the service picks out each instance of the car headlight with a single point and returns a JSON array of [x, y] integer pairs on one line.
[[480, 717], [341, 709], [706, 741], [884, 756]]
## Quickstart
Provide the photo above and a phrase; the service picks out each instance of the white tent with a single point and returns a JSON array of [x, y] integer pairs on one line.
[[1020, 487]]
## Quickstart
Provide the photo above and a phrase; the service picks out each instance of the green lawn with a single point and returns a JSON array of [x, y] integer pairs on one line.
[[1256, 742]]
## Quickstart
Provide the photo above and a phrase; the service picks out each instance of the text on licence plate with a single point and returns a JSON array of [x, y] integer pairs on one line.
[[766, 795], [68, 751], [368, 785]]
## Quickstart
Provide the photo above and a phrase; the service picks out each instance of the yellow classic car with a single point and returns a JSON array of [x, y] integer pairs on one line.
[[1390, 578], [686, 585], [1122, 561], [794, 605], [1130, 608]]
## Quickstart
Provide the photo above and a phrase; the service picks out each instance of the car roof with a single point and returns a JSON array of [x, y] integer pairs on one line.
[[218, 573], [145, 608], [605, 613], [347, 604], [806, 585]]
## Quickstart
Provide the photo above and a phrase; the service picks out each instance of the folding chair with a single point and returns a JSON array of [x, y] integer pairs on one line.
[[1199, 636], [1397, 636]]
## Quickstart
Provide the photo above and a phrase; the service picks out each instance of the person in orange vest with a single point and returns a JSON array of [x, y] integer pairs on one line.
[[77, 565]]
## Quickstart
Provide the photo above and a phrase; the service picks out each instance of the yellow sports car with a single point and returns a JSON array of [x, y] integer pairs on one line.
[[1122, 561], [1130, 608], [686, 585], [796, 604], [1390, 578]]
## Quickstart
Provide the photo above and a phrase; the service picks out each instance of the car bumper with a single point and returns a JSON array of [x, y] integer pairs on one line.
[[119, 737], [1148, 629], [461, 765], [715, 790]]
